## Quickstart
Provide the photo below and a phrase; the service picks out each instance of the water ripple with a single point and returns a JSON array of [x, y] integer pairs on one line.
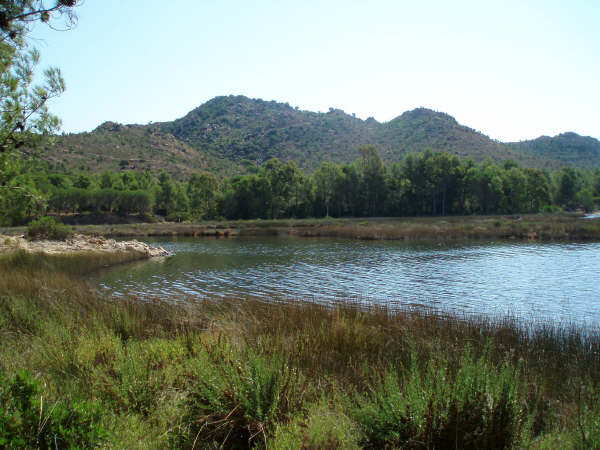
[[541, 282]]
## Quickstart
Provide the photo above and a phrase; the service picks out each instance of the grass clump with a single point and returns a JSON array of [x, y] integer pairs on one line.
[[25, 264], [47, 228]]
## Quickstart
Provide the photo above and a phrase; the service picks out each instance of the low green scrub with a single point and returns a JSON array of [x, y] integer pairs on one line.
[[427, 406], [238, 396], [47, 228], [29, 420], [591, 228], [325, 425]]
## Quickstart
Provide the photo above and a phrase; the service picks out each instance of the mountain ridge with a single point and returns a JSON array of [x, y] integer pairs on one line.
[[230, 134], [581, 151]]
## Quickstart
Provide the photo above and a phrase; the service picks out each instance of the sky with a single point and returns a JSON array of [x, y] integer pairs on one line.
[[513, 70]]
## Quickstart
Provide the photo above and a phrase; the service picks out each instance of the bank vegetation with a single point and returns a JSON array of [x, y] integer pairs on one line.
[[78, 368]]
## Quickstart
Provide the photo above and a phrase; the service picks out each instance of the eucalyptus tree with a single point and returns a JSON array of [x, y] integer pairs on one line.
[[397, 187], [326, 180], [514, 183], [166, 194], [202, 191], [416, 187], [350, 187], [373, 179], [596, 182], [568, 187], [538, 189], [485, 187], [446, 173], [280, 178]]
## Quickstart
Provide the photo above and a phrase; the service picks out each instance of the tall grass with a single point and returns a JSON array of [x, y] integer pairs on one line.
[[241, 373]]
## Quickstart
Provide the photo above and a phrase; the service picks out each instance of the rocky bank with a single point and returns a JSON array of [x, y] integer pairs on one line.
[[79, 244]]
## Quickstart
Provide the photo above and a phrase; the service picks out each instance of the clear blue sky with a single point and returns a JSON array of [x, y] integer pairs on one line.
[[512, 69]]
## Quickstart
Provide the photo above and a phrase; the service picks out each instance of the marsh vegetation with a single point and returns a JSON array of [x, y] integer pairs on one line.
[[243, 373]]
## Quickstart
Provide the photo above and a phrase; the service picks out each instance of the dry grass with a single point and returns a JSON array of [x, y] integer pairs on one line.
[[560, 226]]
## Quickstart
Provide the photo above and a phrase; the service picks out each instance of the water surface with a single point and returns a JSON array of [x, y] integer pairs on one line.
[[539, 282]]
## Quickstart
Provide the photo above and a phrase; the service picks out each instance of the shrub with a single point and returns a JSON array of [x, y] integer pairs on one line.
[[237, 398], [180, 216], [134, 202], [28, 421], [47, 228], [324, 427], [478, 407], [72, 200], [550, 209]]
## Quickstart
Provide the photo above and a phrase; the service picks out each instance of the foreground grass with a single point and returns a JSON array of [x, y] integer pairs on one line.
[[78, 369]]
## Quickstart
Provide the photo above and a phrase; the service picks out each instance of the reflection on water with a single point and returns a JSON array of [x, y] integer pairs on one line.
[[539, 282]]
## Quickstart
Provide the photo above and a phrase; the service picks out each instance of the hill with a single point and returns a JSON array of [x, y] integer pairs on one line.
[[114, 146], [423, 128], [239, 128], [232, 133], [242, 129], [567, 148]]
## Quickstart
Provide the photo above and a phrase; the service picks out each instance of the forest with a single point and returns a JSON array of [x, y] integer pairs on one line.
[[422, 184]]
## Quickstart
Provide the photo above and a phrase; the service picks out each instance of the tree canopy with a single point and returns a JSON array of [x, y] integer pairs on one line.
[[24, 114], [423, 184]]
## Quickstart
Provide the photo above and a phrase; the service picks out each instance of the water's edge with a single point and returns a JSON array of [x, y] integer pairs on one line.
[[539, 282]]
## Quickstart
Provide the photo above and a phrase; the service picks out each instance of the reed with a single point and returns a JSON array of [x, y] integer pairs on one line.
[[243, 373]]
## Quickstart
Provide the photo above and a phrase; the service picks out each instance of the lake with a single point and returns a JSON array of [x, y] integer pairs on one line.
[[555, 283]]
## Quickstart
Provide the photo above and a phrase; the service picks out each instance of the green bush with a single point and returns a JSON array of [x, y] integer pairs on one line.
[[180, 216], [238, 397], [551, 209], [428, 407], [130, 202], [47, 228], [28, 421], [323, 427]]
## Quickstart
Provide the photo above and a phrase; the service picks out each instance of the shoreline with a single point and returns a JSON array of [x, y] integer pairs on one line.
[[79, 244], [531, 227]]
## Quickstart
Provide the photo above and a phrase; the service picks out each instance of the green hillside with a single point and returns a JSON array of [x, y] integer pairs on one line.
[[239, 128], [568, 148], [232, 133], [423, 128]]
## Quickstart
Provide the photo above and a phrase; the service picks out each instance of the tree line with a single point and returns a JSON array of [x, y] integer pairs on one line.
[[428, 183]]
